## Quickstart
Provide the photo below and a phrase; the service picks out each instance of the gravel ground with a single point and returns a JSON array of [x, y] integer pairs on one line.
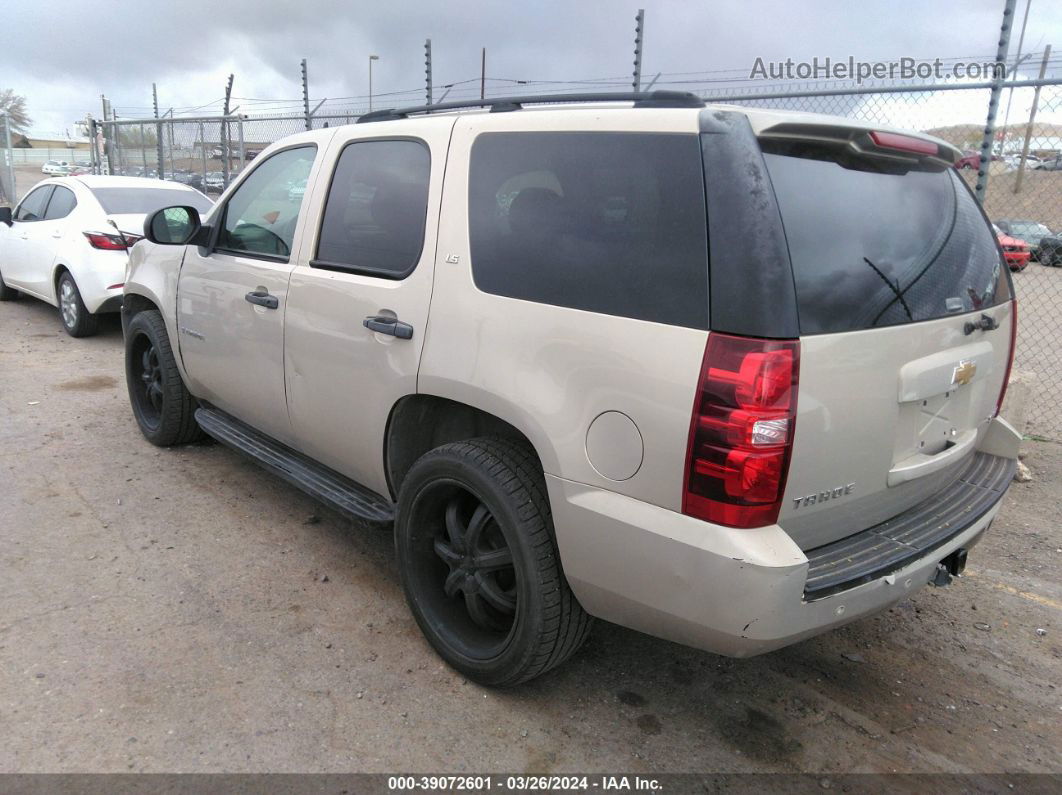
[[181, 610]]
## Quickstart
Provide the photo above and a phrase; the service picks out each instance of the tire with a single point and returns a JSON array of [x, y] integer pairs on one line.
[[162, 405], [497, 623], [7, 293], [76, 319]]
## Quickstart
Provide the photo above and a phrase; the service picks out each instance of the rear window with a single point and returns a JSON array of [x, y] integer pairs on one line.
[[875, 246], [123, 201], [605, 222]]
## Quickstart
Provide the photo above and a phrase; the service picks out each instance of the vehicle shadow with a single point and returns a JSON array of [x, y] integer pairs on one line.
[[39, 313]]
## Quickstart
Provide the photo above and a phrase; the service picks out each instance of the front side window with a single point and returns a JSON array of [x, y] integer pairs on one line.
[[61, 204], [32, 207], [261, 215], [613, 223], [376, 210]]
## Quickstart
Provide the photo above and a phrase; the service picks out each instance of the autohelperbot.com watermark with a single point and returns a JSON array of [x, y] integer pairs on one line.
[[850, 68]]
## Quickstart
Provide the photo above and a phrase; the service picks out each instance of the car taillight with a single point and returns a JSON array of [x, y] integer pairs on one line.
[[1010, 353], [105, 241], [741, 434]]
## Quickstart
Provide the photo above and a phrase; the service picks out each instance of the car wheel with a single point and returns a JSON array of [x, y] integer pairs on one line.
[[162, 405], [7, 293], [77, 320], [479, 562]]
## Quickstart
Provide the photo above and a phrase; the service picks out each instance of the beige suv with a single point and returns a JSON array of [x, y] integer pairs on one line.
[[729, 377]]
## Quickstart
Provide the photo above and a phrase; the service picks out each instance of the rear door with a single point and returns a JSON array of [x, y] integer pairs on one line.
[[905, 317], [370, 258], [231, 297]]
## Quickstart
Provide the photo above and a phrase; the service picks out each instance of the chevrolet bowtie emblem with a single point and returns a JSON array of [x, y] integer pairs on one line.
[[963, 372]]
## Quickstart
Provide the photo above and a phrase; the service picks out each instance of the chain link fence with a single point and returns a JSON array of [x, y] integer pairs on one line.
[[1022, 181]]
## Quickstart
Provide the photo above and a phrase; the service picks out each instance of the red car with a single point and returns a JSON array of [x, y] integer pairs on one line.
[[1015, 252]]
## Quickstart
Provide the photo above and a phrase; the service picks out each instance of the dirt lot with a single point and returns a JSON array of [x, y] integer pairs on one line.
[[182, 610]]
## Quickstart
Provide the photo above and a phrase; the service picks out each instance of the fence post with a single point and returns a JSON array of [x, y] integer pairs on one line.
[[202, 152], [158, 132], [225, 165], [143, 150], [306, 95], [243, 154], [90, 128], [993, 101], [10, 191]]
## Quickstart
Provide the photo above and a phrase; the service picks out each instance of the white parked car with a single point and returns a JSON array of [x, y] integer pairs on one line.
[[60, 245], [215, 180], [55, 168]]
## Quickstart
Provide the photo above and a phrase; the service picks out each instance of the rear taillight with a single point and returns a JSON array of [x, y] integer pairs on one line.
[[106, 241], [741, 434], [1010, 353]]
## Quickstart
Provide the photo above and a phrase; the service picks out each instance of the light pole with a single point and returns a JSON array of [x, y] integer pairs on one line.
[[371, 59]]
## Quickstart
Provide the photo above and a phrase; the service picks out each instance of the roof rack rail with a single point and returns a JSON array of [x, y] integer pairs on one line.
[[641, 99]]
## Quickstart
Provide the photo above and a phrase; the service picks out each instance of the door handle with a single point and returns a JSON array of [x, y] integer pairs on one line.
[[384, 324], [262, 298], [57, 235]]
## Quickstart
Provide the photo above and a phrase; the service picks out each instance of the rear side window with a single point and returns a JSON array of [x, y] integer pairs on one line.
[[605, 222], [61, 205], [875, 246], [32, 207], [376, 210]]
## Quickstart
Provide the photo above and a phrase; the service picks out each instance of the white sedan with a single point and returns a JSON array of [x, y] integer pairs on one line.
[[66, 242]]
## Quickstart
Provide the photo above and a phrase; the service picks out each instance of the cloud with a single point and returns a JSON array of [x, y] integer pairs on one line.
[[63, 55]]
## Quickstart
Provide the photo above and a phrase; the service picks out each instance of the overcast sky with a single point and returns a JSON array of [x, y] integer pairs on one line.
[[62, 54]]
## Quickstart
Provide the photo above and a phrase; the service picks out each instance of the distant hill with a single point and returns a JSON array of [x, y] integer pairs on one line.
[[1045, 136]]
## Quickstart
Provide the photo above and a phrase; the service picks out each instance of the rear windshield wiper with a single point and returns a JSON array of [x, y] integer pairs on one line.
[[894, 287]]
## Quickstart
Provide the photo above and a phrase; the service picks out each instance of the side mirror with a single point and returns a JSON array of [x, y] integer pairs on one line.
[[5, 215], [172, 226]]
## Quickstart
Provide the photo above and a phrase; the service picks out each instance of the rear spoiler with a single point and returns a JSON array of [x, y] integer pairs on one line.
[[899, 147]]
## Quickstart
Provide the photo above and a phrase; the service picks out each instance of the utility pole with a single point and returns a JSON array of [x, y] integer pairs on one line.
[[427, 70], [993, 102], [1032, 120], [483, 74], [226, 165], [158, 130], [639, 28]]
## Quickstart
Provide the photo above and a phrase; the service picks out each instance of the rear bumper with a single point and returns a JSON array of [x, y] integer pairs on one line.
[[733, 592]]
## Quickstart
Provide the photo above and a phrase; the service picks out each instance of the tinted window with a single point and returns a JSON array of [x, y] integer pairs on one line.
[[871, 246], [377, 205], [32, 207], [261, 215], [122, 201], [61, 204], [607, 222]]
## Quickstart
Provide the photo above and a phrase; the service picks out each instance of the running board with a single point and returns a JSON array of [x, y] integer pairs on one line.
[[317, 480]]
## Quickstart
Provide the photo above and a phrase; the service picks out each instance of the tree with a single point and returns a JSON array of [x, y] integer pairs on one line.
[[15, 106]]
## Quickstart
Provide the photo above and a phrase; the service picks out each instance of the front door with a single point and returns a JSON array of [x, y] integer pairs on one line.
[[24, 244], [372, 260], [231, 296]]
